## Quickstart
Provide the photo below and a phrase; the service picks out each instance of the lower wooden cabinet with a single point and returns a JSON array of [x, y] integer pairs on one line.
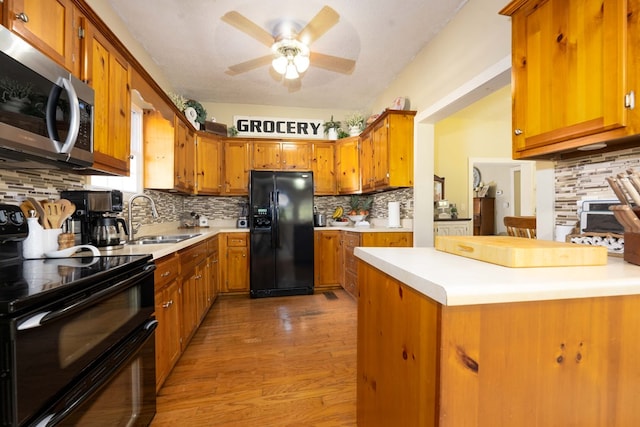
[[327, 258], [168, 306], [192, 264], [234, 263], [350, 240]]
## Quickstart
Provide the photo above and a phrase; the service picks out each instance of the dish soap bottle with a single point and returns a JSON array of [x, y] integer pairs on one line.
[[32, 245]]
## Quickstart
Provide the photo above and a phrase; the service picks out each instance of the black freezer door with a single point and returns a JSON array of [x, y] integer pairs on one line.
[[281, 233]]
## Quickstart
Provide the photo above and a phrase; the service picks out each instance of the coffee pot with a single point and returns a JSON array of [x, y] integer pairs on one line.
[[105, 231]]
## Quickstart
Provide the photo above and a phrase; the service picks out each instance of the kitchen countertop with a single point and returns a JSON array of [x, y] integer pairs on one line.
[[455, 280], [163, 249]]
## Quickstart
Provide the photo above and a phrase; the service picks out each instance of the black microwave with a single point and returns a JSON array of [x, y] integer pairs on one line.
[[46, 114]]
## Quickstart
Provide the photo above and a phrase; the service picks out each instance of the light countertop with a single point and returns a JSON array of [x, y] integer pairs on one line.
[[455, 280]]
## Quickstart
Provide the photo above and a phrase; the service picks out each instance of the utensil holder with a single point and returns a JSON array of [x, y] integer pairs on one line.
[[50, 239]]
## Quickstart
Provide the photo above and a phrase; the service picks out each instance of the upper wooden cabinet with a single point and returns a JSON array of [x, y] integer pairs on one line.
[[159, 154], [185, 157], [323, 166], [390, 149], [109, 74], [280, 155], [236, 167], [47, 25], [348, 165], [574, 74], [208, 164]]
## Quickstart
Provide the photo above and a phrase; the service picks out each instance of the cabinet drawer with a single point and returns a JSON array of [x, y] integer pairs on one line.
[[167, 270], [237, 239], [192, 256]]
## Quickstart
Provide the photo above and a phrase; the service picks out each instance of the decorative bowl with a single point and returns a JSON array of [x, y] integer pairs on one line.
[[356, 218]]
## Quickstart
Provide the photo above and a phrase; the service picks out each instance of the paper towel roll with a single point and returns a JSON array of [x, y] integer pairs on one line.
[[394, 215]]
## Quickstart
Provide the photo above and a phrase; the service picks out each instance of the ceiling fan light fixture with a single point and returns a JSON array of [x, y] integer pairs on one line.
[[280, 64], [301, 62], [291, 72]]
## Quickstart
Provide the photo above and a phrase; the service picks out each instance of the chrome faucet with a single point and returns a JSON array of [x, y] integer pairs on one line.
[[154, 212]]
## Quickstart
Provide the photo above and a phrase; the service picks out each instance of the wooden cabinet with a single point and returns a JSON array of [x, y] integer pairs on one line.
[[236, 167], [192, 272], [323, 166], [109, 74], [574, 72], [159, 151], [168, 304], [327, 258], [368, 178], [280, 155], [48, 26], [234, 268], [484, 221], [351, 240], [348, 165], [185, 157], [213, 270], [208, 164], [452, 228], [387, 160]]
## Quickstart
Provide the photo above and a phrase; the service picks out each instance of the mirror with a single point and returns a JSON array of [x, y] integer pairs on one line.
[[438, 188]]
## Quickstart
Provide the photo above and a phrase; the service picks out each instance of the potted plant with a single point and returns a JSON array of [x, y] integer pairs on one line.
[[331, 129], [355, 122]]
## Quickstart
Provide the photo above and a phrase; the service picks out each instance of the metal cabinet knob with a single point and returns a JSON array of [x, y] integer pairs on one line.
[[22, 17], [518, 132]]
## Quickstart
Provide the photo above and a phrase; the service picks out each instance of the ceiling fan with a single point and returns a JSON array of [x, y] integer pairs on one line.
[[290, 54]]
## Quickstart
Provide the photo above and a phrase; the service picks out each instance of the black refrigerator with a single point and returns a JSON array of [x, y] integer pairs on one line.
[[281, 233]]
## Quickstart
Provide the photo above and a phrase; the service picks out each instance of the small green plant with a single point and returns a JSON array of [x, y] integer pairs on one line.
[[331, 124], [232, 131], [178, 100], [342, 133], [355, 120]]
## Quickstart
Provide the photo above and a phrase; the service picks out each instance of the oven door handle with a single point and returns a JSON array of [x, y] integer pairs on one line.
[[43, 317]]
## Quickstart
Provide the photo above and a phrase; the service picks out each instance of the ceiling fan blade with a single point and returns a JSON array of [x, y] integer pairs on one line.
[[319, 24], [248, 27], [252, 64], [332, 63]]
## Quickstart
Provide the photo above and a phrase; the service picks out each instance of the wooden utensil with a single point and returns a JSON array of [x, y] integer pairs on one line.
[[633, 193], [617, 189], [40, 211], [55, 212], [66, 209]]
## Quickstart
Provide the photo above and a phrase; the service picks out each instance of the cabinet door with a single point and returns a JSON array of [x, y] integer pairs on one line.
[[208, 159], [109, 75], [265, 155], [295, 155], [237, 269], [236, 168], [367, 161], [569, 72], [189, 306], [47, 25], [395, 147], [381, 154], [324, 170], [327, 258], [185, 150], [348, 166], [159, 151], [168, 333], [392, 239]]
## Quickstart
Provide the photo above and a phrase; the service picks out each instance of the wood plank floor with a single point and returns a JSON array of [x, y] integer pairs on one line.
[[285, 361]]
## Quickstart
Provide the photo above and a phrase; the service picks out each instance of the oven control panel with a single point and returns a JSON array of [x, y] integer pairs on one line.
[[13, 225]]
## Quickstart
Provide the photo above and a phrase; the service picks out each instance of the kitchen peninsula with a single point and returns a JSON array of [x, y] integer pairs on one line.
[[445, 340]]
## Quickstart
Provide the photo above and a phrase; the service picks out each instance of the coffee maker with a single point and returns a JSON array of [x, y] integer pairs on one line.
[[95, 221]]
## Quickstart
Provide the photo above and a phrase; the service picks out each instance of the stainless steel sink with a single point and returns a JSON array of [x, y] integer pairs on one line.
[[154, 240]]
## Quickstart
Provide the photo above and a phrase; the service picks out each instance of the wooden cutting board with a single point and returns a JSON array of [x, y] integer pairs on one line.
[[520, 252]]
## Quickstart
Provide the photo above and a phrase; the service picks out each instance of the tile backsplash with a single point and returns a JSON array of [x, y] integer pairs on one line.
[[584, 178]]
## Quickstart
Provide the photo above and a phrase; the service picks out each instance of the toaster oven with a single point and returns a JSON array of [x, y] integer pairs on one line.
[[595, 217]]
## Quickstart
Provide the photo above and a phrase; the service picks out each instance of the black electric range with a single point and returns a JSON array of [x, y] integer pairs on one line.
[[28, 283]]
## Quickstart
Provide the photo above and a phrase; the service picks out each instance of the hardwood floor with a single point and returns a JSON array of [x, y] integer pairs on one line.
[[285, 361]]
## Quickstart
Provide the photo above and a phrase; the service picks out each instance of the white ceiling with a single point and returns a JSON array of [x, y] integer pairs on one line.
[[194, 47]]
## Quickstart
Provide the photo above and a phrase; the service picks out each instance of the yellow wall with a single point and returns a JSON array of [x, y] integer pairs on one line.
[[481, 130]]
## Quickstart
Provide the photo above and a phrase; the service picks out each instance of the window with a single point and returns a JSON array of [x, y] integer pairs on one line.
[[133, 182]]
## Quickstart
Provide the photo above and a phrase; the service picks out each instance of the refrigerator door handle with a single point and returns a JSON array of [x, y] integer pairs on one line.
[[275, 221], [272, 210]]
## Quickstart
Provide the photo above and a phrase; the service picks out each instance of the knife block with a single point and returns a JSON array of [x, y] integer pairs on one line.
[[632, 247]]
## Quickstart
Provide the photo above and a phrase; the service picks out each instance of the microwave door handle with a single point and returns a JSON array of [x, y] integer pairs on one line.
[[74, 110]]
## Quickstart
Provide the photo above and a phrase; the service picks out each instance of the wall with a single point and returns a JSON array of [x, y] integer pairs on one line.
[[481, 130]]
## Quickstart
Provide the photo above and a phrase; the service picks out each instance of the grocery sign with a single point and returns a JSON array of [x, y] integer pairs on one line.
[[270, 127]]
